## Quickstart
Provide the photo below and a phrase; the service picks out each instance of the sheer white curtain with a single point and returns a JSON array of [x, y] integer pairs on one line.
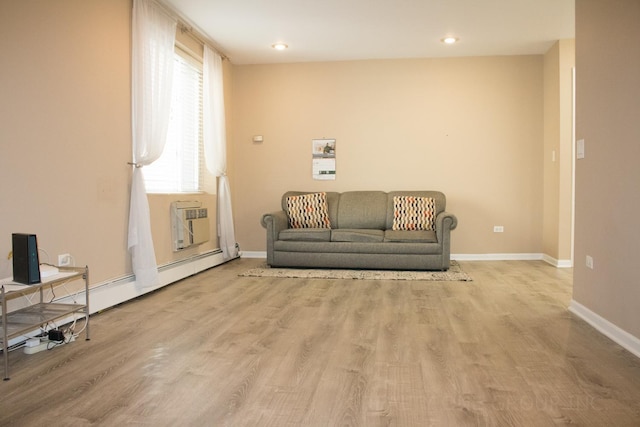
[[153, 40], [215, 148]]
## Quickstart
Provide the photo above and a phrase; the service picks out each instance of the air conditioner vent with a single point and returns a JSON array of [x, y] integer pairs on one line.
[[189, 224]]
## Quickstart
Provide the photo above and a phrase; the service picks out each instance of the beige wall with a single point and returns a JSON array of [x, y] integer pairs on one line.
[[65, 135], [558, 156], [607, 195], [471, 127]]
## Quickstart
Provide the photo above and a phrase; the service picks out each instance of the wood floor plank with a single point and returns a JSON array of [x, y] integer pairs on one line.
[[218, 349]]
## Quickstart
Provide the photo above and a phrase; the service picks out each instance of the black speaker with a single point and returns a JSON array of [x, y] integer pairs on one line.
[[26, 265]]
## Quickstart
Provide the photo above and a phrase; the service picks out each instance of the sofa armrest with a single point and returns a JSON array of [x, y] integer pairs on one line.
[[445, 222], [277, 221], [274, 222]]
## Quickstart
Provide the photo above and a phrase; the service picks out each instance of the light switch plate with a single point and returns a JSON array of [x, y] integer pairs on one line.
[[580, 149]]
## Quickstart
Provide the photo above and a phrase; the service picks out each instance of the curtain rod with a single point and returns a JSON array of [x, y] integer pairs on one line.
[[186, 27]]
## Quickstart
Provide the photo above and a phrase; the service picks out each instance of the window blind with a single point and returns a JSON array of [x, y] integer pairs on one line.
[[180, 168]]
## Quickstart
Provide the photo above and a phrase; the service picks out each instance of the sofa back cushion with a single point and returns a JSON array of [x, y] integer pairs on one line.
[[362, 209], [366, 209]]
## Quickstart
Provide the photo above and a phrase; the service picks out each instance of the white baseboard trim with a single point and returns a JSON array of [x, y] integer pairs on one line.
[[253, 254], [119, 290], [620, 336], [108, 294], [497, 257], [468, 257], [559, 263], [566, 263]]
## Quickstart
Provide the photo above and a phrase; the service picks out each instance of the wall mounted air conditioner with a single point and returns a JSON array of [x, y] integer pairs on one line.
[[189, 224]]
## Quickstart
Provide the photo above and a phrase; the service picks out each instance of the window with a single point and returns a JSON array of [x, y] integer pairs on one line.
[[180, 168]]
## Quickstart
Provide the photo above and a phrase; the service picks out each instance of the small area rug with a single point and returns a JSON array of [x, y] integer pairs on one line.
[[454, 274]]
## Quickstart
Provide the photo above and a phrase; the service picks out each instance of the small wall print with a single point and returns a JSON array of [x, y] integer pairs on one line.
[[324, 159]]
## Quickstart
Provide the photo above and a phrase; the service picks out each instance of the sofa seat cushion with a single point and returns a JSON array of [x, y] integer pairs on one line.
[[356, 235], [403, 236], [357, 247], [305, 235]]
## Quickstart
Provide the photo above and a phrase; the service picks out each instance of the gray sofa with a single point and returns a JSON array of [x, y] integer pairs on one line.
[[361, 233]]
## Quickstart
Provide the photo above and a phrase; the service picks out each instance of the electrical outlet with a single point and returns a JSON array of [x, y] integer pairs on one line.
[[589, 262], [498, 229], [64, 260]]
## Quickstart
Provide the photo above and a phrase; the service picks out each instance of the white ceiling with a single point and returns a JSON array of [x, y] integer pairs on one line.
[[336, 30]]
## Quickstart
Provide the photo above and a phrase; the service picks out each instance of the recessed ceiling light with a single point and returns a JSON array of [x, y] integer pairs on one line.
[[279, 46], [450, 40]]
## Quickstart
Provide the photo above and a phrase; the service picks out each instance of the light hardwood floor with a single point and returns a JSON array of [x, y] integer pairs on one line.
[[221, 350]]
